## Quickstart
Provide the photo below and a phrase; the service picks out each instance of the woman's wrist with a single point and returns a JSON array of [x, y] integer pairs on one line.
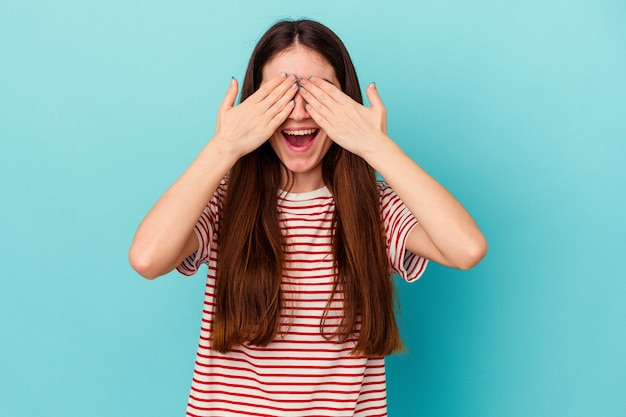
[[381, 151], [224, 148]]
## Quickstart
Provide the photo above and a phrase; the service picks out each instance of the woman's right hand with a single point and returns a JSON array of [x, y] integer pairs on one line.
[[248, 125], [165, 236]]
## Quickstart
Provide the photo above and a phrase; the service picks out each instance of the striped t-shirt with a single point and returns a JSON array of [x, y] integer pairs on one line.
[[300, 373]]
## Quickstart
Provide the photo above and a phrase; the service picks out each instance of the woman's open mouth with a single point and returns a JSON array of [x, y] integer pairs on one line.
[[300, 140]]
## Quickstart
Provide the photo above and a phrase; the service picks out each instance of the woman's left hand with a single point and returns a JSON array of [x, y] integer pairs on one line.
[[446, 232], [354, 127]]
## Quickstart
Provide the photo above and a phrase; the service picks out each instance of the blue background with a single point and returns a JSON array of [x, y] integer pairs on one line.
[[518, 107]]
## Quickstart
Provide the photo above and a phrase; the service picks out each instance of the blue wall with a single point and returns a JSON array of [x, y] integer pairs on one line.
[[518, 107]]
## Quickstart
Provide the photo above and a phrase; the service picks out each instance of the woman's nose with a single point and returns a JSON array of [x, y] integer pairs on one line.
[[299, 111]]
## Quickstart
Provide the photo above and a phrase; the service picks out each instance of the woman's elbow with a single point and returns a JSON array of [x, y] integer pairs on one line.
[[474, 253], [142, 263]]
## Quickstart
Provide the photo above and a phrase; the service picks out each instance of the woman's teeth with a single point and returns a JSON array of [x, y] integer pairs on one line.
[[302, 132]]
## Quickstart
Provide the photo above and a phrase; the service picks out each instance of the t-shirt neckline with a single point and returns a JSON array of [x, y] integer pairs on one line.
[[308, 195]]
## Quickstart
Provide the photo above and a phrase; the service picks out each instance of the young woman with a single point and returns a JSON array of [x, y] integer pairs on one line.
[[300, 239]]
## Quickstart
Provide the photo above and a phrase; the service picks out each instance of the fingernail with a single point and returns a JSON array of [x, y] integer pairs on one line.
[[295, 77], [284, 74], [310, 78], [292, 103], [372, 85]]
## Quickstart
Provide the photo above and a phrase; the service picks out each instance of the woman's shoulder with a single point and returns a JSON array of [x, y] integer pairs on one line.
[[216, 203], [383, 188], [389, 200], [222, 188]]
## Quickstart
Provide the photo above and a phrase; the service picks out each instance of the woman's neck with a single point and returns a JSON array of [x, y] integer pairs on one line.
[[300, 182]]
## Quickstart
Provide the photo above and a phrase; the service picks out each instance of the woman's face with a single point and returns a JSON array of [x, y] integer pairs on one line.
[[299, 142]]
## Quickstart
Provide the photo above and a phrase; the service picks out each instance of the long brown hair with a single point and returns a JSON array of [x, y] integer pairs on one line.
[[248, 298]]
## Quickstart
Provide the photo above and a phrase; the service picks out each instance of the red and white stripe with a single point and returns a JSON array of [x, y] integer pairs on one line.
[[300, 373]]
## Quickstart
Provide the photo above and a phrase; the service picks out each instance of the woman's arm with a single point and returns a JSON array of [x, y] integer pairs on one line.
[[446, 233], [165, 236]]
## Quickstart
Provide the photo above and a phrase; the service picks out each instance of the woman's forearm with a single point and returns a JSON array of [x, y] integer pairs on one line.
[[166, 233], [445, 221]]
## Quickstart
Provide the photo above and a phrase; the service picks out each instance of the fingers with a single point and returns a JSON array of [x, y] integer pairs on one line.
[[280, 96], [273, 99], [325, 102], [274, 88], [323, 90], [317, 109], [231, 94], [273, 102], [372, 95], [279, 104], [281, 116]]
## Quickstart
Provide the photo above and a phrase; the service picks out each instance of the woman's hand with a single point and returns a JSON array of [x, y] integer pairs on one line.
[[446, 233], [352, 126], [248, 125]]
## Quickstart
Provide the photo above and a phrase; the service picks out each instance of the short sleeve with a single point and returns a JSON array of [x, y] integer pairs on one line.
[[205, 230], [399, 222]]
